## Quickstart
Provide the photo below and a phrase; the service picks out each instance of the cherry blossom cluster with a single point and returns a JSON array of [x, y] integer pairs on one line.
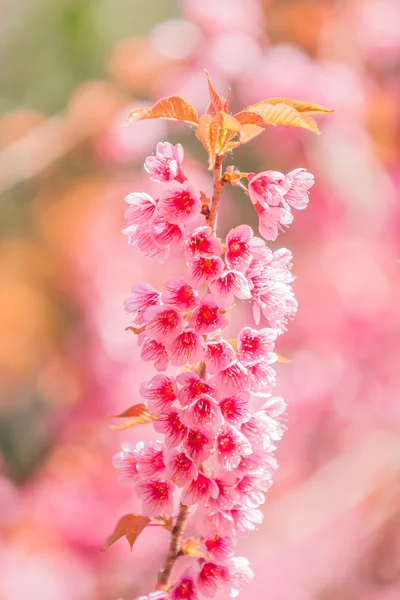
[[217, 420]]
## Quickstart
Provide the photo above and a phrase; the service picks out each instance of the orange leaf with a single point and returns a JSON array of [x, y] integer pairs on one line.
[[207, 132], [138, 414], [248, 117], [173, 108], [300, 105], [217, 103], [283, 114], [249, 132], [130, 526]]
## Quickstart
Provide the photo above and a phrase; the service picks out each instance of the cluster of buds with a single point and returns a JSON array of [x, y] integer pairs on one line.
[[217, 418]]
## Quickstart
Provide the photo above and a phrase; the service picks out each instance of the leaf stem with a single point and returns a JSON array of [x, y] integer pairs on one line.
[[175, 546]]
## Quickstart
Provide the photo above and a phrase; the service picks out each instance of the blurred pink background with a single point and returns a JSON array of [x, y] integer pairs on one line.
[[72, 72]]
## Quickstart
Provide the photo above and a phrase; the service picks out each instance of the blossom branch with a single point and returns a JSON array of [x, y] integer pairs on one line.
[[175, 546], [217, 191]]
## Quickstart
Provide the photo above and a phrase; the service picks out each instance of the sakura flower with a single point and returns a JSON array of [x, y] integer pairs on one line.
[[218, 548], [165, 165], [170, 424], [180, 204], [156, 496], [179, 467], [278, 305], [246, 520], [164, 322], [142, 238], [227, 497], [126, 463], [153, 351], [180, 295], [256, 430], [143, 296], [204, 269], [236, 409], [240, 246], [300, 182], [272, 220], [150, 461], [200, 490], [201, 242], [219, 354], [240, 574], [165, 233], [258, 462], [267, 188], [207, 316], [204, 412], [187, 347], [234, 379], [211, 521], [231, 446], [228, 285], [185, 589], [255, 345], [142, 208], [250, 490], [160, 393], [262, 376], [211, 577], [198, 444], [192, 387]]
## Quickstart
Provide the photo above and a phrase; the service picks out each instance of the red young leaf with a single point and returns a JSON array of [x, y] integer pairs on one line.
[[173, 108], [130, 526], [136, 415]]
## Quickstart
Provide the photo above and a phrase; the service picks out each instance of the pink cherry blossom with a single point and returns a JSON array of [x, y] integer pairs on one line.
[[126, 463], [240, 574], [227, 497], [156, 496], [160, 393], [201, 242], [142, 208], [180, 294], [141, 237], [231, 446], [300, 182], [163, 322], [255, 345], [200, 490], [231, 380], [211, 577], [143, 296], [207, 317], [165, 233], [218, 548], [203, 412], [198, 444], [240, 246], [154, 351], [187, 347], [150, 461], [192, 387], [171, 425], [228, 285], [219, 354], [165, 165], [236, 409], [180, 204], [204, 269], [267, 188], [179, 467], [272, 220], [185, 588]]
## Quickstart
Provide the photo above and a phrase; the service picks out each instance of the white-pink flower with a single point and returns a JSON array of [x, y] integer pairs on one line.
[[142, 208], [165, 165], [300, 182], [186, 347], [208, 317], [267, 188]]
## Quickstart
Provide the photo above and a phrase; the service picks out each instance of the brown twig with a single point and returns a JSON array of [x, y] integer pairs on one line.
[[218, 186], [175, 545]]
